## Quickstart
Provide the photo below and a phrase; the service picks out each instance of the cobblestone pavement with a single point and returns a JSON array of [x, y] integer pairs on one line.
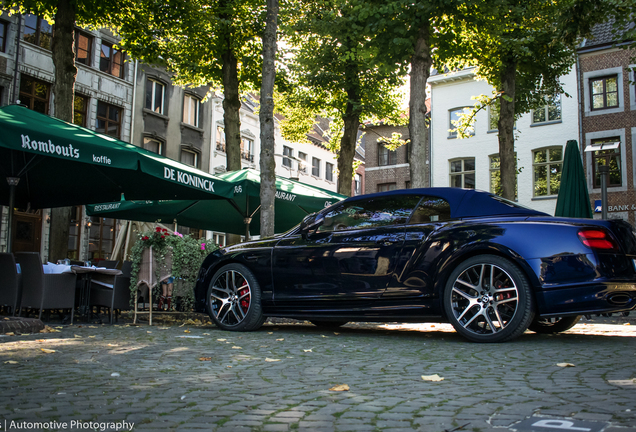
[[279, 378]]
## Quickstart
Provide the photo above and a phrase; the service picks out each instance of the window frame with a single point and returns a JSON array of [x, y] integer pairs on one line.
[[315, 167], [38, 32], [107, 119], [197, 114], [604, 79], [191, 151], [161, 144], [547, 164], [607, 155], [386, 187], [546, 112], [89, 52], [154, 82], [111, 59], [32, 95], [302, 163], [463, 172], [220, 138], [248, 154], [83, 113], [288, 154], [329, 171], [390, 156], [3, 35], [453, 134]]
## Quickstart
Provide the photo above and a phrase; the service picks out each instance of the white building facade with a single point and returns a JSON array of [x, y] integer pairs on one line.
[[540, 139]]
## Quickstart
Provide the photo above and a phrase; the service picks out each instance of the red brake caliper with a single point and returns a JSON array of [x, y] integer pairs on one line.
[[245, 301]]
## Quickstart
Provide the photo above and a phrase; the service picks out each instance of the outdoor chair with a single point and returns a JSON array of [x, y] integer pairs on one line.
[[112, 292], [44, 291], [9, 283]]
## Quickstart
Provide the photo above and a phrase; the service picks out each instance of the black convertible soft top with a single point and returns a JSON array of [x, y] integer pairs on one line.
[[464, 203]]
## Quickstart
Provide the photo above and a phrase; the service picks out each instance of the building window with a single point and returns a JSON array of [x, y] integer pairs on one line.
[[462, 173], [454, 116], [111, 60], [385, 187], [287, 154], [80, 110], [329, 172], [610, 157], [191, 110], [38, 31], [495, 175], [35, 94], [108, 119], [546, 166], [604, 91], [315, 167], [189, 157], [357, 184], [219, 239], [153, 145], [155, 93], [3, 35], [493, 116], [247, 149], [101, 236], [220, 139], [386, 156], [549, 112], [83, 47], [302, 163], [74, 230]]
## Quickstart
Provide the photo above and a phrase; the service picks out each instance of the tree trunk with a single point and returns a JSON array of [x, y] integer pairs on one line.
[[506, 122], [231, 108], [63, 89], [418, 132], [266, 118], [348, 147]]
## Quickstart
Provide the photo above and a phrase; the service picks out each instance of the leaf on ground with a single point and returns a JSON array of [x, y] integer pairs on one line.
[[113, 345], [206, 334], [627, 324], [92, 326], [433, 378], [308, 350], [91, 336], [565, 365], [324, 336], [205, 358], [280, 340], [187, 331], [229, 366], [6, 318], [11, 362], [336, 333], [267, 359], [10, 334], [221, 340], [270, 332], [48, 351], [236, 347], [339, 388], [148, 331], [77, 336]]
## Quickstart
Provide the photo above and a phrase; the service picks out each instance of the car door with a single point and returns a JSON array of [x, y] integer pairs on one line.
[[350, 258], [417, 260]]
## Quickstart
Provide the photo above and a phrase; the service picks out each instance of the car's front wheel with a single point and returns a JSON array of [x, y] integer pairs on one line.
[[553, 325], [234, 299], [487, 298]]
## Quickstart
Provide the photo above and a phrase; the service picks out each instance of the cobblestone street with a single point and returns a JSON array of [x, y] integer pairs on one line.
[[171, 377]]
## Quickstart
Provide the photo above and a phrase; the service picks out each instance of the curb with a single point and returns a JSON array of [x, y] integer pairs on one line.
[[20, 325]]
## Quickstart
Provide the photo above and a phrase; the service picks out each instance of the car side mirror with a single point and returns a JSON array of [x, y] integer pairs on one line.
[[311, 224]]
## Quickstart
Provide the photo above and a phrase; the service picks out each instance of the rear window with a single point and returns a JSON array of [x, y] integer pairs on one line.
[[431, 209]]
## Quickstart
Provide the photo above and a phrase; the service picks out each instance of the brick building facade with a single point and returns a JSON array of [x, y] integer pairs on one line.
[[608, 121], [385, 169]]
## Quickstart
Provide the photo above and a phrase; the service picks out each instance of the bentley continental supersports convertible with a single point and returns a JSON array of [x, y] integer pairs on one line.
[[488, 266]]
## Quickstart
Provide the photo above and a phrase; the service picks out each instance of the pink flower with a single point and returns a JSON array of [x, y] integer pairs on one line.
[[202, 246], [178, 234]]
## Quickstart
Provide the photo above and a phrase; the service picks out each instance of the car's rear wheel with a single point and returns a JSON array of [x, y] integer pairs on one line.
[[553, 325], [234, 299], [487, 298], [328, 324]]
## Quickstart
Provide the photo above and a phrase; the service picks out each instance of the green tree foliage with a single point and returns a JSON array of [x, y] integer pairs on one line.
[[521, 47], [338, 73], [202, 43]]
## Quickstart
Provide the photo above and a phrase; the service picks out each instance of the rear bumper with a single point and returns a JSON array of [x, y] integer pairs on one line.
[[593, 298]]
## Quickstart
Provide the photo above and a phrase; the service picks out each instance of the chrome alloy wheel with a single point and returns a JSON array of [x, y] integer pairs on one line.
[[230, 298], [484, 299]]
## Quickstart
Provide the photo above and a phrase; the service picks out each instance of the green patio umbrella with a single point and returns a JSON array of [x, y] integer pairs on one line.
[[58, 164], [294, 200], [573, 199]]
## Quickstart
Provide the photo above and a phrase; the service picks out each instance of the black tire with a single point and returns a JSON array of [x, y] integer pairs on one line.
[[553, 325], [328, 324], [234, 299], [484, 313]]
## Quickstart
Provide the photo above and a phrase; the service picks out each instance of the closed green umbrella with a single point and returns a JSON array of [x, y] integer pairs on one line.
[[294, 200], [573, 199]]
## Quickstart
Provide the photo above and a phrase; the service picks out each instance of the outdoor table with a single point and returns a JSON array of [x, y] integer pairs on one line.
[[85, 274]]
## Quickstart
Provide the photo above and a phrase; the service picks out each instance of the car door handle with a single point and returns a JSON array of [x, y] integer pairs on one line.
[[388, 241]]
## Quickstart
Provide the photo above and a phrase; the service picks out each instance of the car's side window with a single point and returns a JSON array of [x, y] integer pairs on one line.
[[374, 212], [431, 209]]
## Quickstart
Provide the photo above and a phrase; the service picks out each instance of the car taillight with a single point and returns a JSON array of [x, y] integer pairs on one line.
[[597, 239]]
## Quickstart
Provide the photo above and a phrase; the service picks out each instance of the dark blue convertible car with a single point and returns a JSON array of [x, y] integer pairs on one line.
[[487, 265]]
